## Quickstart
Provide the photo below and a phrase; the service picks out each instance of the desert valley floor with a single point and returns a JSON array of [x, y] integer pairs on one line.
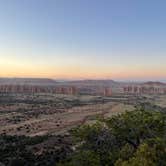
[[40, 114]]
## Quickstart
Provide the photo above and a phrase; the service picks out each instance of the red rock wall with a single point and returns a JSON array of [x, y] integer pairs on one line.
[[37, 89], [107, 92], [144, 90]]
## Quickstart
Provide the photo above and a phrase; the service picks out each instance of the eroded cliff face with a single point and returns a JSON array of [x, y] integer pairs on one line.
[[37, 89], [146, 88]]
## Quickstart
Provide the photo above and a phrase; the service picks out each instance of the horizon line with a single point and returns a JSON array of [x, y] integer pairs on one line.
[[95, 79]]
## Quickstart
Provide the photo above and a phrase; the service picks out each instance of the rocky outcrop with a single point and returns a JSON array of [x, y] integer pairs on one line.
[[37, 89], [144, 89]]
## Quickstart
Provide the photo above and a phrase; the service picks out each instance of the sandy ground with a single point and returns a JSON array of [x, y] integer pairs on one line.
[[55, 114], [61, 122]]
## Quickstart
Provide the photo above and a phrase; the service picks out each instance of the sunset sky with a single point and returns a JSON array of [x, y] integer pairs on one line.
[[79, 39]]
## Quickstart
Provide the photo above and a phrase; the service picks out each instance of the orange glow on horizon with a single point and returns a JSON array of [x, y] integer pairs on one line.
[[14, 68], [79, 74]]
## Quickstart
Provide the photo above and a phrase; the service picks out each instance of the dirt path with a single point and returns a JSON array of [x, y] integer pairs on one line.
[[58, 122]]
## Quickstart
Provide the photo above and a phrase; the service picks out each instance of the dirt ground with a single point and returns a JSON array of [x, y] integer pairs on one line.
[[33, 115]]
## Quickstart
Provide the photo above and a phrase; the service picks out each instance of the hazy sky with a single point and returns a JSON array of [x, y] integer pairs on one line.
[[117, 39]]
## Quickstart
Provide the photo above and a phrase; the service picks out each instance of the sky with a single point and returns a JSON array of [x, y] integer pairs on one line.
[[83, 39]]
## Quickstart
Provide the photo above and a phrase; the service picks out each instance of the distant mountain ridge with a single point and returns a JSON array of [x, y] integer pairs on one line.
[[92, 83], [77, 83], [27, 81], [154, 83]]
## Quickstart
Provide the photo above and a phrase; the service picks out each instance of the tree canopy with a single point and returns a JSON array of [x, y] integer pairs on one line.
[[136, 138]]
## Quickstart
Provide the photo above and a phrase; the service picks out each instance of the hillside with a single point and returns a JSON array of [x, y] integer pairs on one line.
[[27, 81], [151, 83]]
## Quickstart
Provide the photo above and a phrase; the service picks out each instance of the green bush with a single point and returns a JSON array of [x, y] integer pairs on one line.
[[136, 138]]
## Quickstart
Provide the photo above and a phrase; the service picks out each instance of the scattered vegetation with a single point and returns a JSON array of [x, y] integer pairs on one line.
[[136, 138], [32, 151]]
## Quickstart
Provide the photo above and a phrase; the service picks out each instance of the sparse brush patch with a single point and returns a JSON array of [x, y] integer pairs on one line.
[[133, 138]]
